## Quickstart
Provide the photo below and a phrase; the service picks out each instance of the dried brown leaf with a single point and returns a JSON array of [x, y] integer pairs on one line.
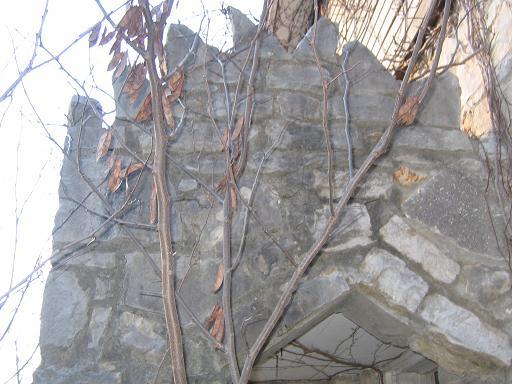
[[219, 278], [116, 45], [103, 144], [95, 32], [238, 128], [167, 106], [162, 62], [133, 168], [121, 67], [116, 59], [405, 176], [115, 180], [408, 110], [153, 205], [218, 326], [132, 22], [106, 37], [135, 81], [211, 319], [145, 111], [175, 83]]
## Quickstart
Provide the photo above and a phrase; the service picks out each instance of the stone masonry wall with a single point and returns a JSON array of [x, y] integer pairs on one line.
[[416, 248]]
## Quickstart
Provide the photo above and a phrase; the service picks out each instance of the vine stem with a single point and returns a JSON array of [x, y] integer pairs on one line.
[[167, 253]]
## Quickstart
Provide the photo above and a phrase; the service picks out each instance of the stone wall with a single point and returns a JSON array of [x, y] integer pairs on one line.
[[413, 261]]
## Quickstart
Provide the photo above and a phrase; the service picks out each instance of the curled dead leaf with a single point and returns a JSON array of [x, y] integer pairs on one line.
[[135, 81], [153, 205], [238, 128], [132, 22], [405, 176], [103, 145], [121, 67], [116, 46], [215, 323], [219, 278], [167, 106], [95, 32], [175, 84], [115, 180], [133, 168], [408, 111], [106, 37], [145, 112], [116, 59]]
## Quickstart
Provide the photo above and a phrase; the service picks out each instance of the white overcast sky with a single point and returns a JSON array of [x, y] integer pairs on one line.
[[30, 163]]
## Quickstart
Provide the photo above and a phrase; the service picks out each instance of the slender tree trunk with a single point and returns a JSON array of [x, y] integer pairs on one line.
[[289, 20]]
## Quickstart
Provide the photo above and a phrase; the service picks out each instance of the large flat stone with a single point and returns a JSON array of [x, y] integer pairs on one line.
[[430, 138], [296, 77], [393, 279], [442, 106], [398, 234], [64, 312], [143, 335], [466, 329], [453, 202]]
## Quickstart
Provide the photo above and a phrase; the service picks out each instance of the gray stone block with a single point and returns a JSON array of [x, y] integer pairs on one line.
[[466, 329], [326, 42], [398, 234], [453, 202], [393, 279], [64, 312], [296, 77], [417, 137]]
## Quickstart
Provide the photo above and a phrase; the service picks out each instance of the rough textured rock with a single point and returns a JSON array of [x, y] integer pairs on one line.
[[398, 283], [419, 250], [64, 311], [466, 329], [414, 265]]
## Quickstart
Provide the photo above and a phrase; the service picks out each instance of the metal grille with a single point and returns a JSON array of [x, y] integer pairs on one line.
[[388, 28]]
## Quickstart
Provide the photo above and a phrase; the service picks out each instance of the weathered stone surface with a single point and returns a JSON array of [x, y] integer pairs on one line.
[[325, 37], [430, 138], [466, 329], [354, 229], [482, 283], [442, 106], [243, 28], [453, 201], [393, 279], [78, 375], [141, 283], [143, 335], [82, 108], [97, 325], [64, 312], [94, 259], [398, 234], [180, 40], [296, 76]]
